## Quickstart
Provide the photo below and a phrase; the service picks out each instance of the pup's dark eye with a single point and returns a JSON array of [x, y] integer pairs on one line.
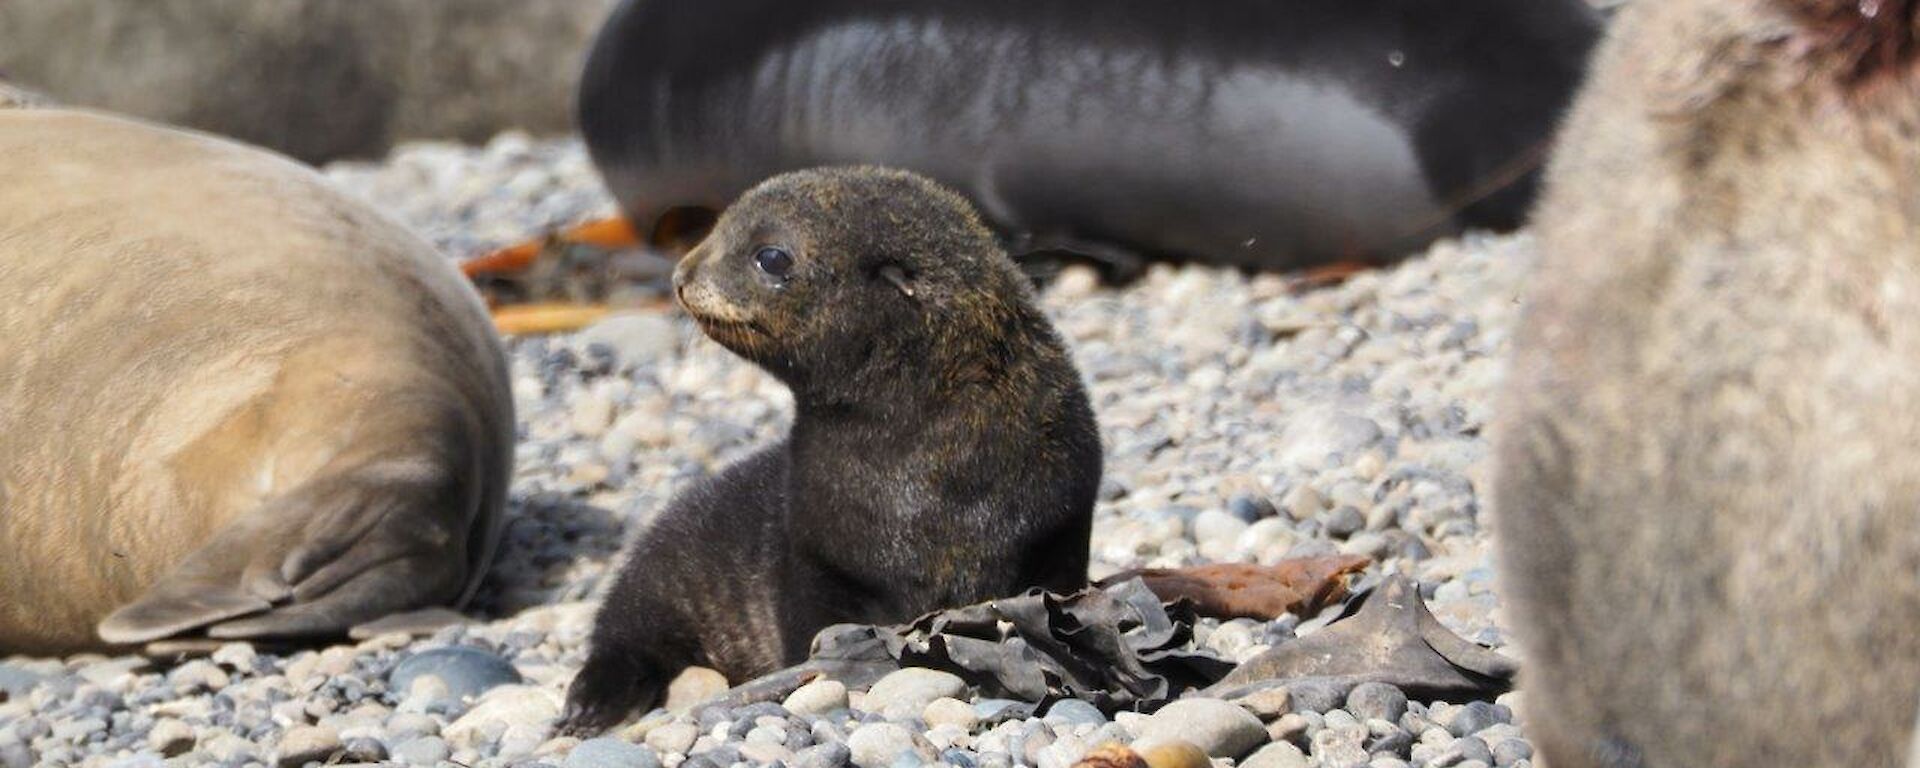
[[773, 261]]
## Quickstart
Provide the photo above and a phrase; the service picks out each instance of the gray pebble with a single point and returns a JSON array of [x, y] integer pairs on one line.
[[307, 743], [817, 697], [16, 681], [426, 750], [823, 756], [1464, 750], [1343, 522], [1074, 712], [466, 672], [1474, 717], [1279, 754], [1511, 751], [1251, 508], [1316, 695], [1394, 742], [1377, 701], [76, 731], [879, 745], [906, 692], [1218, 728], [363, 749], [1341, 747], [1311, 437], [993, 711], [171, 737], [610, 753]]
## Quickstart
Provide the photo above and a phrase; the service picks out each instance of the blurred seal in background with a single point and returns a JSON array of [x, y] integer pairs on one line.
[[1708, 525], [314, 79], [1261, 133]]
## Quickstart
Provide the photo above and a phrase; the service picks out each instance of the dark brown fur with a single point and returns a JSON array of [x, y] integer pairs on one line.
[[942, 450], [1705, 487]]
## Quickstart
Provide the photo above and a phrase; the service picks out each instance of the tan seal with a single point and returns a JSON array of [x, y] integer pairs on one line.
[[233, 400], [1709, 527]]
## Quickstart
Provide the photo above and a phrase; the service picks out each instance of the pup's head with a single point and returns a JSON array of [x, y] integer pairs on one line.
[[846, 273]]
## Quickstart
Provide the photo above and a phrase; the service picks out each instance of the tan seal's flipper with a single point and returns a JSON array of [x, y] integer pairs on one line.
[[337, 553]]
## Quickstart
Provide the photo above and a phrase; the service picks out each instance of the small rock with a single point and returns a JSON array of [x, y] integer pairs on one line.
[[107, 672], [636, 340], [950, 711], [1388, 738], [1473, 718], [1466, 749], [171, 737], [907, 692], [466, 672], [592, 413], [993, 711], [1267, 703], [694, 687], [1217, 727], [1305, 502], [522, 706], [1074, 712], [1313, 436], [1377, 701], [1343, 522], [1341, 747], [828, 755], [764, 754], [610, 753], [227, 747], [1316, 695], [364, 750], [235, 656], [1510, 751], [673, 738], [78, 730], [412, 724], [198, 675], [426, 750], [817, 698], [1216, 526], [1279, 754], [304, 744], [17, 682], [1290, 728], [878, 745]]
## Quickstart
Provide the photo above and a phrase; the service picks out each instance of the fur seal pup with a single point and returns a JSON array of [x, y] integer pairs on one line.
[[1272, 134], [1707, 511], [315, 79], [942, 451], [234, 401]]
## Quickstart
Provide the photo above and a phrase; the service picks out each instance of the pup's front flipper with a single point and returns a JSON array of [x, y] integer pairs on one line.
[[610, 687], [339, 551]]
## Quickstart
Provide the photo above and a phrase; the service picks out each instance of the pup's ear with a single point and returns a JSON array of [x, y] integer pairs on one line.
[[897, 276]]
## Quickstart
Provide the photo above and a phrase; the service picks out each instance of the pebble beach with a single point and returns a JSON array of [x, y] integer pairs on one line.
[[1244, 421]]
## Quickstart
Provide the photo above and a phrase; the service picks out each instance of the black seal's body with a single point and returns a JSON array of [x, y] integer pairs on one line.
[[942, 453], [1265, 133]]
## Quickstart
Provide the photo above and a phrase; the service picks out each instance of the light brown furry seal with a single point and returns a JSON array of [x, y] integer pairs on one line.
[[1708, 456], [232, 399]]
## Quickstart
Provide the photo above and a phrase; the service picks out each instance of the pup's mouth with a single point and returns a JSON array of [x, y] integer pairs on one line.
[[737, 333]]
